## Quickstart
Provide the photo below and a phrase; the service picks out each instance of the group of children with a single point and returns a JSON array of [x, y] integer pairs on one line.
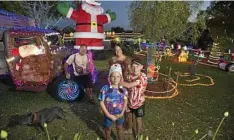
[[124, 98]]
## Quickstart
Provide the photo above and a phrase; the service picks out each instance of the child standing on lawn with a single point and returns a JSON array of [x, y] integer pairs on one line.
[[113, 101], [137, 82]]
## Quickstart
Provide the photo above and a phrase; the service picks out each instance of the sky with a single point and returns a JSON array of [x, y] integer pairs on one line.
[[121, 10]]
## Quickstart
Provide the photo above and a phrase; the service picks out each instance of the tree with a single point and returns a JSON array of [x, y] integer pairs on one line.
[[205, 41], [43, 12], [12, 6], [221, 23], [117, 29], [196, 28], [157, 19]]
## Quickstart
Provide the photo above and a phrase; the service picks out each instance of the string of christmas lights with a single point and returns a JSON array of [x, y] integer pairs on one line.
[[12, 15], [174, 90], [214, 55], [196, 84], [212, 65], [195, 79], [32, 30], [10, 19]]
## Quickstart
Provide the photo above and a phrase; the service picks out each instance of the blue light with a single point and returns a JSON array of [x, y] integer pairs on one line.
[[33, 29], [12, 15]]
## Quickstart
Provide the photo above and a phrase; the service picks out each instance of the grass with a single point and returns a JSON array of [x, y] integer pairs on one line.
[[194, 108]]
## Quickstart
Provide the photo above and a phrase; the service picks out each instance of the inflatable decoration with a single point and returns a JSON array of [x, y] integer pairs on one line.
[[172, 46], [89, 22], [168, 52], [226, 62], [150, 71], [178, 47], [183, 56]]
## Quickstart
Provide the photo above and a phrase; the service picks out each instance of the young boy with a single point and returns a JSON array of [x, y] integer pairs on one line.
[[113, 101], [137, 82]]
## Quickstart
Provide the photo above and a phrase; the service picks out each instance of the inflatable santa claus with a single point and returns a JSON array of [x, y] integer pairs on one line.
[[89, 22]]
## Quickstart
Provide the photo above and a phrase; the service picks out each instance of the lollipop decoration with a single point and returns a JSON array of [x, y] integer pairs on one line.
[[68, 90]]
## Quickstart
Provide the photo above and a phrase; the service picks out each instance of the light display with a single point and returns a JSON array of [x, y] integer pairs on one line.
[[183, 56], [29, 61], [170, 93], [89, 22], [68, 90], [173, 91], [214, 55], [168, 52], [30, 30], [212, 65], [9, 20], [153, 60], [93, 71], [197, 77]]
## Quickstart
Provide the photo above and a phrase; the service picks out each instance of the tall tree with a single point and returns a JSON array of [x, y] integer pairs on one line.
[[221, 23], [43, 12], [157, 19], [12, 6], [196, 28]]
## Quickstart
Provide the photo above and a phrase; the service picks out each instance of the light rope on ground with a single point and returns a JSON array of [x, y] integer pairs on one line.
[[196, 84], [206, 64], [174, 87], [195, 79]]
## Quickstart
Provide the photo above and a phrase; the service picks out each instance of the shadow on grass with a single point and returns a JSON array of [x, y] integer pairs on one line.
[[89, 114], [92, 114]]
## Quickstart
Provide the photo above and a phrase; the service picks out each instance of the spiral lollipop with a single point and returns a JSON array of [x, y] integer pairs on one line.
[[68, 90]]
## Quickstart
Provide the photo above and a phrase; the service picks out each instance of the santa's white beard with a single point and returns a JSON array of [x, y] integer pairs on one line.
[[94, 10]]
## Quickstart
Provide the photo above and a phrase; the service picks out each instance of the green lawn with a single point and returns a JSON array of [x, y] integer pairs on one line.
[[194, 108]]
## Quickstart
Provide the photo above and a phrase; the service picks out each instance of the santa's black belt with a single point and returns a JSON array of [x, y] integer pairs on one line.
[[87, 24]]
